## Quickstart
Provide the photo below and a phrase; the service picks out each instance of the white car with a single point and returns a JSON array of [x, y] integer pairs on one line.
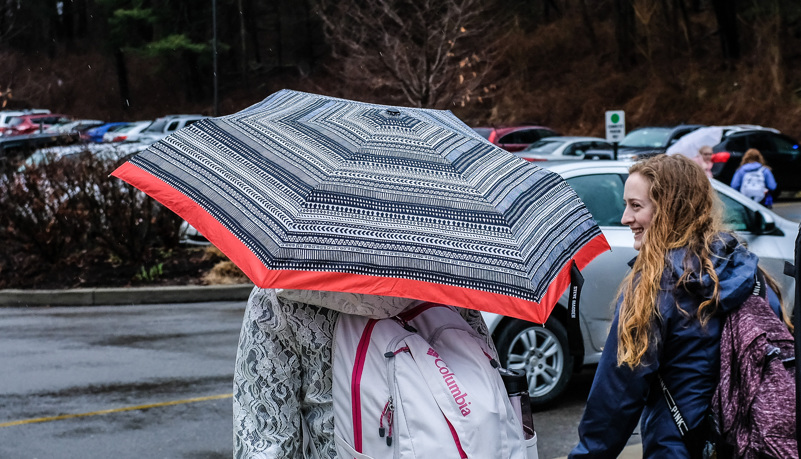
[[567, 148], [164, 126], [543, 352], [129, 131]]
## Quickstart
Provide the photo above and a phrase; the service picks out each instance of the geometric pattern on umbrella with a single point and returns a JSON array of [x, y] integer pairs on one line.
[[309, 191]]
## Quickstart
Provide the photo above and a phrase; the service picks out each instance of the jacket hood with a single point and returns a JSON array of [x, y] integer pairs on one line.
[[751, 167], [734, 265]]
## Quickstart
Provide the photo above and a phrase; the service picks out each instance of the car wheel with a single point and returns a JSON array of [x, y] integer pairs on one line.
[[540, 351]]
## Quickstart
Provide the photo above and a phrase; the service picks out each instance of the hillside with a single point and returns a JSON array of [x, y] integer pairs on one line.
[[560, 73]]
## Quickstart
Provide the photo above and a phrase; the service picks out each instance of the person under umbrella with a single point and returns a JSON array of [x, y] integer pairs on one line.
[[312, 193], [283, 371]]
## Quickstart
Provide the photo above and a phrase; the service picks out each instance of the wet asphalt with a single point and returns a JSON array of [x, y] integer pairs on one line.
[[174, 362]]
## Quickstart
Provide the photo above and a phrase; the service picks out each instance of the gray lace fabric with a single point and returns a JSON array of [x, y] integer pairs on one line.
[[283, 374]]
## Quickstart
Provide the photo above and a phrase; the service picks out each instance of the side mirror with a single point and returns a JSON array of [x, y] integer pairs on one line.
[[763, 224]]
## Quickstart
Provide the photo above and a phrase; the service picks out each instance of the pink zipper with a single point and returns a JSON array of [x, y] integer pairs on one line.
[[462, 454], [355, 384]]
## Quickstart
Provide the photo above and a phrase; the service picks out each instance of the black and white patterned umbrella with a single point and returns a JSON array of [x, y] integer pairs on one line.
[[312, 192]]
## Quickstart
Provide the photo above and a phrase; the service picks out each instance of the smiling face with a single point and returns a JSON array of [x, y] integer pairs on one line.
[[639, 207]]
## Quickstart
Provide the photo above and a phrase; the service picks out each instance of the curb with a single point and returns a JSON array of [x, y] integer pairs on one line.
[[124, 296]]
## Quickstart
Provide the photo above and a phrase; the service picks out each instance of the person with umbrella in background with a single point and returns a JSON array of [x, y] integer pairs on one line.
[[689, 274], [704, 159], [385, 205]]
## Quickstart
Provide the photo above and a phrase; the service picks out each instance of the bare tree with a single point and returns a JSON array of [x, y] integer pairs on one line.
[[433, 53]]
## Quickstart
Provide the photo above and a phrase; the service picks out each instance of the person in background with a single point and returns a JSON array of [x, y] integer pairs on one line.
[[704, 159], [689, 273], [754, 179]]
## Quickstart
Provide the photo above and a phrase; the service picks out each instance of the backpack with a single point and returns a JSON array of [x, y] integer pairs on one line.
[[420, 385], [754, 184], [754, 404]]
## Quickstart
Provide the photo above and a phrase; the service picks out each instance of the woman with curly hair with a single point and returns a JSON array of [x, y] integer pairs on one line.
[[690, 272]]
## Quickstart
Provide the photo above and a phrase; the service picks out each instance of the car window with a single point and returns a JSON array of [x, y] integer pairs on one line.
[[173, 126], [576, 149], [543, 147], [542, 133], [737, 143], [603, 196], [679, 133], [190, 122], [601, 146], [157, 126], [646, 137], [761, 142], [522, 136], [735, 215], [785, 145]]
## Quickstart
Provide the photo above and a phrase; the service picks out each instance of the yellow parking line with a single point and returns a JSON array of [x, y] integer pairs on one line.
[[114, 410]]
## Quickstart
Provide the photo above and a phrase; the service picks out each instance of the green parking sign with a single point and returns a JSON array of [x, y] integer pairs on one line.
[[615, 125]]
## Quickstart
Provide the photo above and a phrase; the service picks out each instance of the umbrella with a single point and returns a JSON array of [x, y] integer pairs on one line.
[[304, 191], [689, 144]]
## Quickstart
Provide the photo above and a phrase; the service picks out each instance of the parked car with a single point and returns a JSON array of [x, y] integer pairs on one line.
[[105, 151], [781, 153], [565, 148], [6, 115], [543, 351], [76, 127], [651, 140], [130, 130], [514, 138], [96, 134], [164, 126], [33, 123], [188, 235]]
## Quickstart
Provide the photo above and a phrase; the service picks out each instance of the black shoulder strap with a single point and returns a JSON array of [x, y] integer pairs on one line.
[[759, 285], [674, 409], [574, 340]]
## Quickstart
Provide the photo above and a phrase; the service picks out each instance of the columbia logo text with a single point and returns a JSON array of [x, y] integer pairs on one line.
[[450, 379]]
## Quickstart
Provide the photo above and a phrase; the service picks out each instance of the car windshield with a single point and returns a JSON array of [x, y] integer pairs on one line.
[[544, 147], [646, 137], [483, 132], [157, 126]]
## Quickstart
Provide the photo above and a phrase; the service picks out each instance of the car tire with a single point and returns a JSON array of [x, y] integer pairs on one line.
[[542, 352]]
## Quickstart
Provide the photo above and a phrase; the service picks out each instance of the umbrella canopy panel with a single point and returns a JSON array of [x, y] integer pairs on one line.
[[302, 183]]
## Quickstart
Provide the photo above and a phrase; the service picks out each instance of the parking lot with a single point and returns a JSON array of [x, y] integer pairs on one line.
[[118, 381]]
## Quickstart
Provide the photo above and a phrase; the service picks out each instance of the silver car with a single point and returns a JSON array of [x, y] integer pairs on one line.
[[543, 352]]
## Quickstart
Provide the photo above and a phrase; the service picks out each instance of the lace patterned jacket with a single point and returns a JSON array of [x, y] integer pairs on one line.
[[283, 378]]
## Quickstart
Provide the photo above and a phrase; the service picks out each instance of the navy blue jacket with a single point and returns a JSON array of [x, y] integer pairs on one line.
[[686, 354]]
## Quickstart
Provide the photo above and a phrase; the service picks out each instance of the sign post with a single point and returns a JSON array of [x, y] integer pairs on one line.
[[615, 127]]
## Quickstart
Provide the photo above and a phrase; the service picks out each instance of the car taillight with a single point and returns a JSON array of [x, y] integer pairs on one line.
[[721, 157], [534, 159], [119, 138]]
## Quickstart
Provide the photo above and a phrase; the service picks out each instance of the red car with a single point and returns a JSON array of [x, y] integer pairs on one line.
[[514, 138], [31, 124]]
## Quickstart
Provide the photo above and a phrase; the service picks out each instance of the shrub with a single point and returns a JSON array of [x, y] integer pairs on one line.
[[68, 206]]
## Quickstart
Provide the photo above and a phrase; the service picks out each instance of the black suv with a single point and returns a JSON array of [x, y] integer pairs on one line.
[[781, 154]]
